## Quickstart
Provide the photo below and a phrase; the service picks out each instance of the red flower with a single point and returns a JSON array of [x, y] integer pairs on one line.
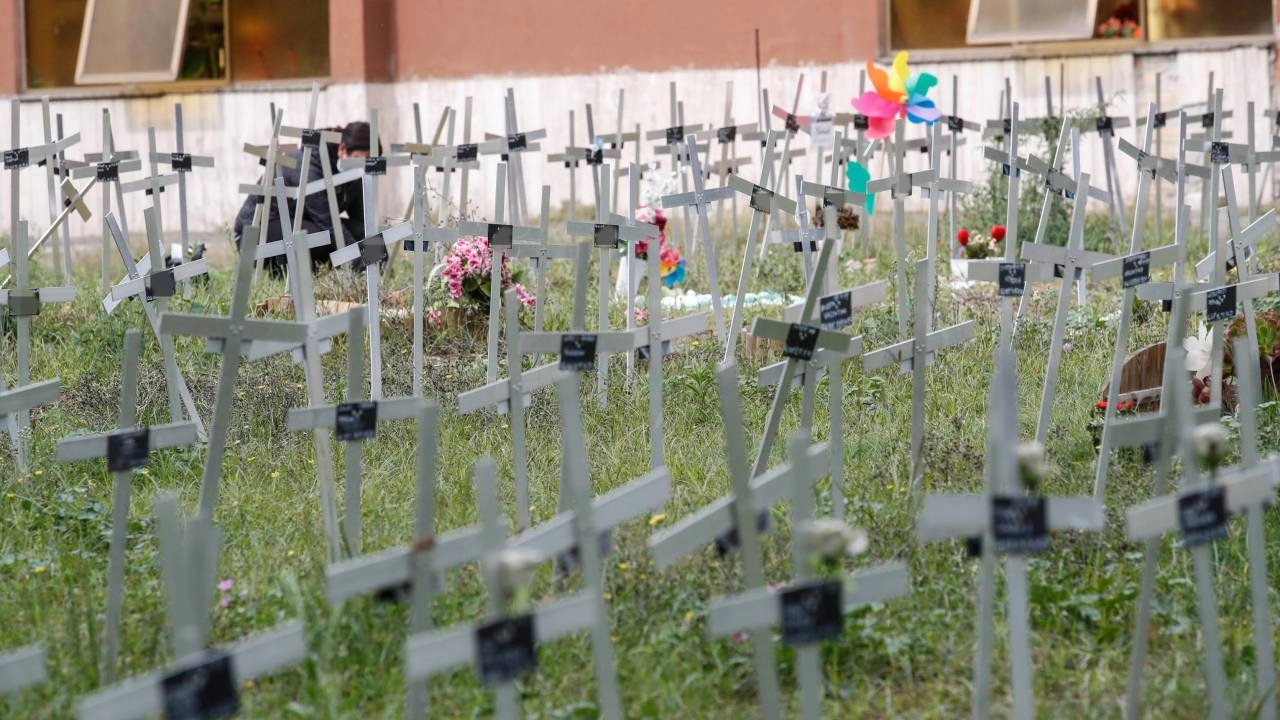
[[997, 232], [1102, 405], [962, 237]]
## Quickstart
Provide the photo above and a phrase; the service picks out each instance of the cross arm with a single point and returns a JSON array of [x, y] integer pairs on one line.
[[702, 527], [86, 447], [838, 197], [988, 270], [275, 248], [904, 351], [761, 608], [282, 157], [645, 494], [46, 295], [1244, 488], [774, 201], [1139, 430], [142, 697], [499, 391], [149, 183], [827, 339], [172, 159], [433, 652], [138, 285], [606, 342], [707, 196], [325, 416], [317, 186], [219, 327], [1248, 290], [23, 668], [28, 396], [322, 329], [948, 516], [393, 567], [1114, 267], [389, 237], [1057, 254]]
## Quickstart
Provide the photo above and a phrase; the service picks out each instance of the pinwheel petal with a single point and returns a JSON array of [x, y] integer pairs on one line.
[[880, 81], [879, 127], [899, 74], [923, 110], [921, 84], [858, 177], [875, 106]]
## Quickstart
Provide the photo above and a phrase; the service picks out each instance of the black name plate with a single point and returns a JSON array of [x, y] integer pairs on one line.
[[812, 612], [1020, 524], [356, 421], [1202, 515]]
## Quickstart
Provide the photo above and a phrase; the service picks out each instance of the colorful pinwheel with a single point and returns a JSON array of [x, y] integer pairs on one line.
[[898, 94]]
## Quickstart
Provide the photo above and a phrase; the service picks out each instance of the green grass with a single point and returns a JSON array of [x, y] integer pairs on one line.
[[908, 658]]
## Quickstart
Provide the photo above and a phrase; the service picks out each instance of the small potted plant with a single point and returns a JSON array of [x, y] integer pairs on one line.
[[461, 299], [976, 246]]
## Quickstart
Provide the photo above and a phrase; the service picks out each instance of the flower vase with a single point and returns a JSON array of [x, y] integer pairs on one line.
[[632, 269]]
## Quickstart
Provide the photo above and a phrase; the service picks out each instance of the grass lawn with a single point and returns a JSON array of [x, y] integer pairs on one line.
[[910, 658]]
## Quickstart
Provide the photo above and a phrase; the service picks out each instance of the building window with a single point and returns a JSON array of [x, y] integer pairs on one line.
[[219, 40], [939, 24]]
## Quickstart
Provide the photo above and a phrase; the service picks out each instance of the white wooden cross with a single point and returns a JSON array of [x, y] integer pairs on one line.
[[802, 343], [1072, 259], [55, 166], [125, 449], [271, 156], [1106, 125], [1012, 521], [699, 200], [425, 236], [504, 646], [809, 609], [838, 309], [726, 136], [355, 421], [956, 125], [203, 681], [593, 154], [18, 401], [804, 238], [940, 185], [606, 233], [915, 354], [1254, 160], [18, 158], [1201, 511], [735, 522], [899, 186], [73, 201], [791, 126], [1242, 242], [764, 202], [617, 140], [153, 287], [107, 167], [182, 163], [1174, 170], [1138, 265], [510, 148], [518, 384], [24, 302], [230, 334], [372, 252], [578, 350], [154, 183], [1211, 125], [502, 237], [374, 167]]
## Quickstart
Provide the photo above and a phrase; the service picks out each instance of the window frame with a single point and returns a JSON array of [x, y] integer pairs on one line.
[[158, 88], [1066, 48], [86, 77]]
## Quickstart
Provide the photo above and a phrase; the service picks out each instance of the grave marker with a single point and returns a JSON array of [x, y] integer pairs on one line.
[[204, 681], [126, 449]]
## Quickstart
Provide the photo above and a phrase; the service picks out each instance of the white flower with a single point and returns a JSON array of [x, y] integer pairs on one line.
[[829, 538], [515, 568], [1031, 465], [1210, 443], [1199, 353]]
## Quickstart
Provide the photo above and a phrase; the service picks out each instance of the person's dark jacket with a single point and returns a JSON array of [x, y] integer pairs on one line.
[[315, 212]]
